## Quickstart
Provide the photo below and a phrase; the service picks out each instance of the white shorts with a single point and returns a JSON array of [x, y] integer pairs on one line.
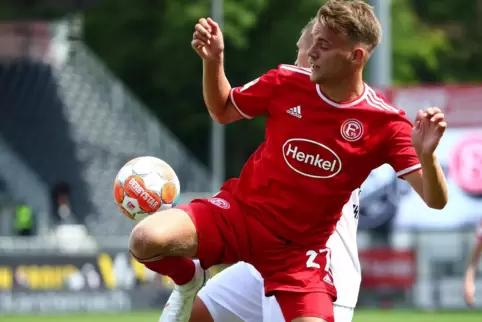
[[237, 294]]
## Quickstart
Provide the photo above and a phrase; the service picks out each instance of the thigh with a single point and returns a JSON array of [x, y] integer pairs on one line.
[[315, 305], [221, 229], [235, 294], [167, 233], [343, 313]]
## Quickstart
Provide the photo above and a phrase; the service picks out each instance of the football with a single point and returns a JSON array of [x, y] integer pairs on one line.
[[146, 185]]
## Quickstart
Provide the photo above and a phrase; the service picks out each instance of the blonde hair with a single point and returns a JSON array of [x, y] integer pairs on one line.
[[354, 18]]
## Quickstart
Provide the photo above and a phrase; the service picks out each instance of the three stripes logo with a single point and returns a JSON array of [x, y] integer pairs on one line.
[[295, 111]]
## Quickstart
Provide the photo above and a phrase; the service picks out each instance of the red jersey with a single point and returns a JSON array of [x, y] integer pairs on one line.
[[316, 152]]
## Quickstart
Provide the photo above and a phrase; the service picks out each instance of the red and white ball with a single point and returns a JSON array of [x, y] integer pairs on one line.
[[146, 185]]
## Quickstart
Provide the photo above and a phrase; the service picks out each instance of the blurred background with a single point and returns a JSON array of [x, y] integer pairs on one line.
[[87, 85]]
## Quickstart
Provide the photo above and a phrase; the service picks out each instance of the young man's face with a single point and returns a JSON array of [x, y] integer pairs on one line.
[[332, 56]]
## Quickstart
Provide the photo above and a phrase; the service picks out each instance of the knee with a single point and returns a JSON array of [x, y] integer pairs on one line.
[[144, 244], [171, 233]]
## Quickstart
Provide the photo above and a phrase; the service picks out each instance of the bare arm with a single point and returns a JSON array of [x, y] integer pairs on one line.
[[216, 89], [208, 43], [474, 259], [429, 182]]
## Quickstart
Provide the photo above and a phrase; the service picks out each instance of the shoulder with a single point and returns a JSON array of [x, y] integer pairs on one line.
[[294, 71], [291, 75], [377, 103]]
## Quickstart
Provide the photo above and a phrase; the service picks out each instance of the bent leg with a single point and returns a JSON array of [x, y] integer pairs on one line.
[[161, 240], [165, 240], [167, 233], [201, 229]]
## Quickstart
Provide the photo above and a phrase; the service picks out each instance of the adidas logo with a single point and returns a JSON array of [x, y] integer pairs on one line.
[[327, 280], [295, 111]]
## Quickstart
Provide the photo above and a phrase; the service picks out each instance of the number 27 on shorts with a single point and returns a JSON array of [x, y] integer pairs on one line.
[[311, 261]]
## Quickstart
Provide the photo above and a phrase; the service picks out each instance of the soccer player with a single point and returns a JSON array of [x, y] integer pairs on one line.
[[474, 259], [236, 294], [326, 130]]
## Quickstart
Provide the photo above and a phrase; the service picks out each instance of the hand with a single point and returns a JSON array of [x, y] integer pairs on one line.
[[207, 39], [429, 128], [469, 293]]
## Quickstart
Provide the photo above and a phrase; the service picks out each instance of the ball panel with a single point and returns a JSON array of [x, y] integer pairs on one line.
[[163, 169], [118, 192], [165, 206], [176, 201], [169, 192], [153, 182], [140, 216], [147, 200], [125, 212], [143, 166], [124, 173], [131, 205]]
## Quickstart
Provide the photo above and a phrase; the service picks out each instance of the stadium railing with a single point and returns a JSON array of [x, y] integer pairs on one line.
[[104, 122]]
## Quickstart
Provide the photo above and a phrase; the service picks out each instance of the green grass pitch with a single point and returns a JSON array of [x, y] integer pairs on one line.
[[360, 316]]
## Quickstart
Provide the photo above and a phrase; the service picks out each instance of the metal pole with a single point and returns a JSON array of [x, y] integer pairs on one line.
[[380, 65], [218, 163]]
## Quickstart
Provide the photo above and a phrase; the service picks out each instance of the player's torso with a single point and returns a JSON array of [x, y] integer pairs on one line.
[[327, 148], [315, 153]]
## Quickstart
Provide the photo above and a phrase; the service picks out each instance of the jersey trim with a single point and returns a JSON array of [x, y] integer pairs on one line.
[[409, 170], [342, 105], [297, 69], [378, 103], [231, 96]]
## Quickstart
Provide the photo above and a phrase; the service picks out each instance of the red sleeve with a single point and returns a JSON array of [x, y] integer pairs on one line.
[[254, 98], [399, 151]]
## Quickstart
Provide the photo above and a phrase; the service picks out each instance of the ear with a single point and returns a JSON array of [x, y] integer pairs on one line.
[[358, 55]]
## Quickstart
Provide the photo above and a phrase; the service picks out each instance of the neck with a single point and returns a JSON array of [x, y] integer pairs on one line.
[[344, 90]]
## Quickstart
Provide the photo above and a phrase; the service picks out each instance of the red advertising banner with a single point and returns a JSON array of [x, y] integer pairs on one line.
[[461, 104], [385, 267]]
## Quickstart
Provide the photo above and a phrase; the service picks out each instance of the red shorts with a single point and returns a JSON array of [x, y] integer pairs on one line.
[[228, 234], [296, 305]]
